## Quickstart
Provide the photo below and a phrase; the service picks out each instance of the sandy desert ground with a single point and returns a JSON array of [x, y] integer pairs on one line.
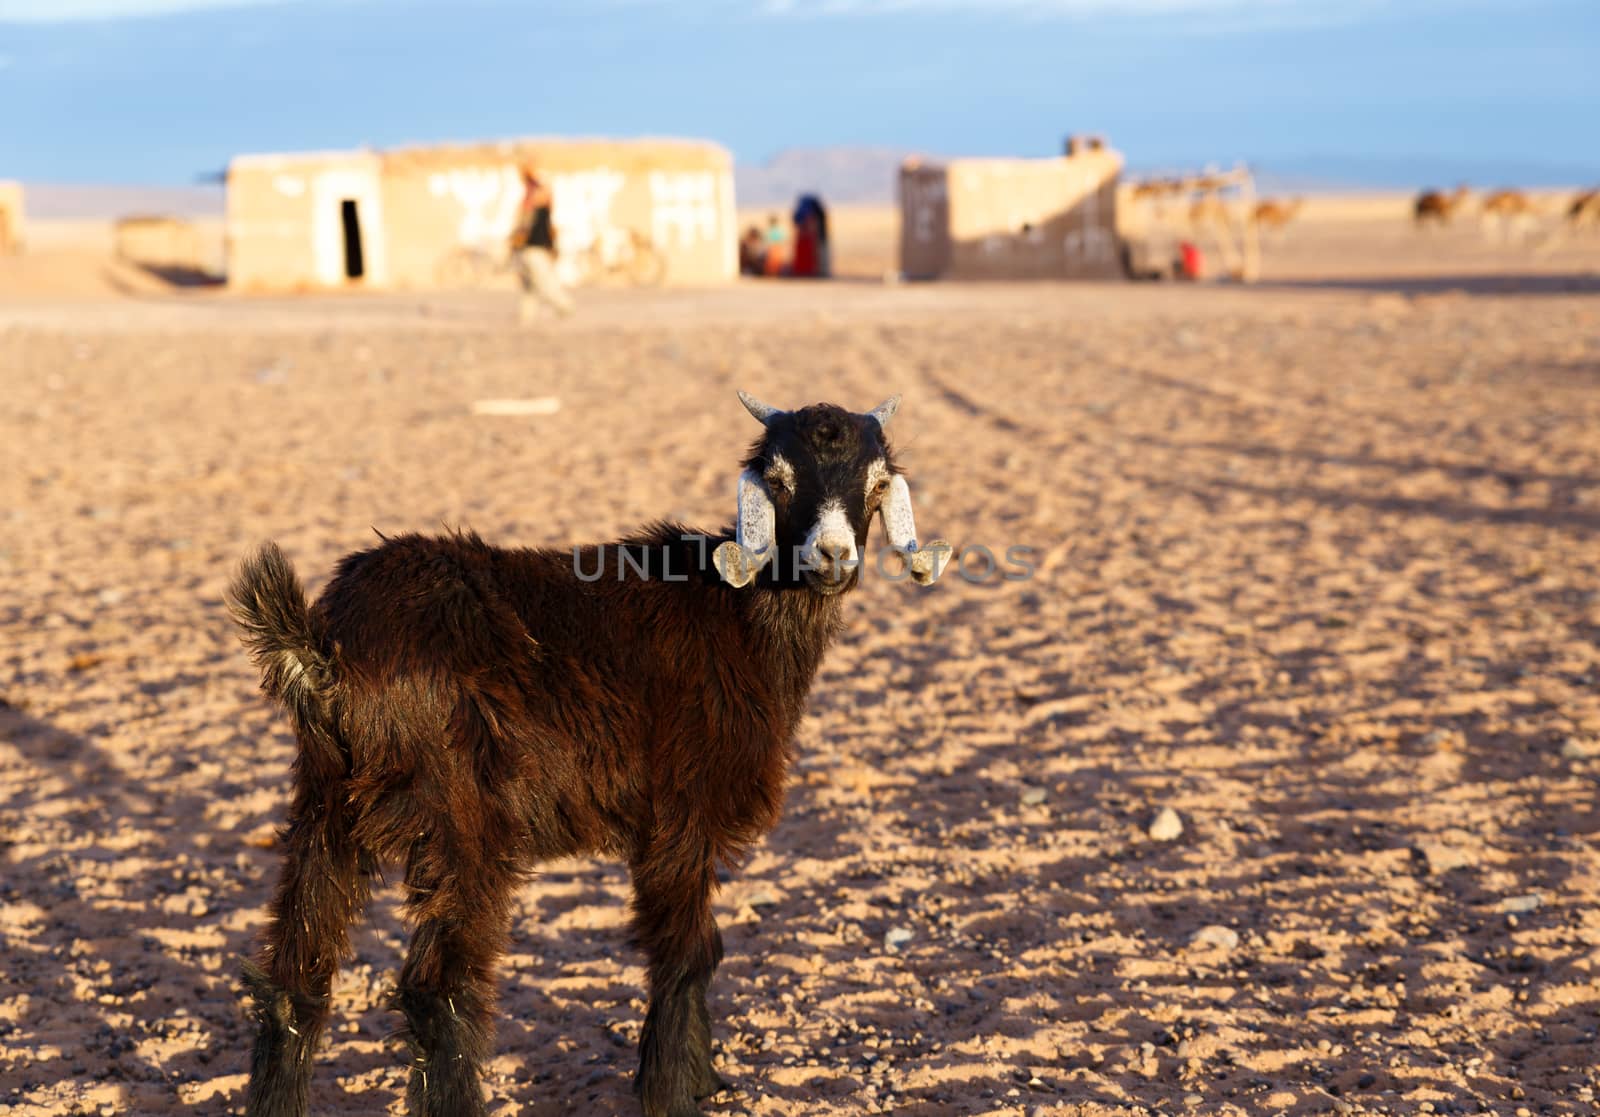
[[1316, 568]]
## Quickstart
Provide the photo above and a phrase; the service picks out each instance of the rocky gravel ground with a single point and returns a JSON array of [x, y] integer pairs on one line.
[[1261, 780]]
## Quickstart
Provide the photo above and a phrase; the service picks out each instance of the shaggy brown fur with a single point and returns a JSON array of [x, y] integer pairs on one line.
[[470, 711]]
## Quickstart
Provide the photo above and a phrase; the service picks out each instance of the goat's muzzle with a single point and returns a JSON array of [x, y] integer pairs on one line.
[[829, 560]]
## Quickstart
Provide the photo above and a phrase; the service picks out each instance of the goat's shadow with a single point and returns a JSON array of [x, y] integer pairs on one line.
[[121, 939], [1497, 284]]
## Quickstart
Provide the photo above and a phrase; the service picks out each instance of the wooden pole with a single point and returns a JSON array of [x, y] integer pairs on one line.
[[1252, 237]]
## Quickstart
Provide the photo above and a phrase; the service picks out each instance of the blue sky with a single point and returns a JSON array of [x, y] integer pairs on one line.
[[159, 91]]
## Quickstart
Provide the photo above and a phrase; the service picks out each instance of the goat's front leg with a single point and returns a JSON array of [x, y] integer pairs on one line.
[[672, 885]]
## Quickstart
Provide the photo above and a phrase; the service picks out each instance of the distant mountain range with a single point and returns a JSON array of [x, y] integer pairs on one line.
[[64, 201], [867, 176], [1335, 174]]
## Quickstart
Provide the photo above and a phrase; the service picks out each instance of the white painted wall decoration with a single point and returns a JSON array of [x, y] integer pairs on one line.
[[683, 208], [580, 205], [488, 197], [730, 226]]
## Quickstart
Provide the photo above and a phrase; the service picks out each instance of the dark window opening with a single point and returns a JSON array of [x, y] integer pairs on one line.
[[354, 266]]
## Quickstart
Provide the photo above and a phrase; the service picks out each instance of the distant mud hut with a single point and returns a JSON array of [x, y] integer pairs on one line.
[[394, 219], [157, 240], [1012, 218], [10, 218]]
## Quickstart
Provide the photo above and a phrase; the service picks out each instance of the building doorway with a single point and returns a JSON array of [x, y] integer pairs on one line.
[[347, 226], [350, 219]]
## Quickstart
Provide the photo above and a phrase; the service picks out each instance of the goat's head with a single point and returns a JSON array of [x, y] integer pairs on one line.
[[809, 489]]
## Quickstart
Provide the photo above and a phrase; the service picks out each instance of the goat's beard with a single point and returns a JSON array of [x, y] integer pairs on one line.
[[828, 586]]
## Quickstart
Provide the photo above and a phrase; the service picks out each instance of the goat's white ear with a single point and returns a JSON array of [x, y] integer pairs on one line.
[[900, 526], [735, 564], [740, 560]]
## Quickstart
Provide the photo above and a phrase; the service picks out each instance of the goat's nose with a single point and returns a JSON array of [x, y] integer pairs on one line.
[[834, 550]]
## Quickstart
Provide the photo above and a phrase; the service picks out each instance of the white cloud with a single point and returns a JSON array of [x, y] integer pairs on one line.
[[77, 11]]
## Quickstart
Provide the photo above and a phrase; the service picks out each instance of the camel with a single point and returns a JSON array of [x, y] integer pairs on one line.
[[1273, 214], [1218, 205], [1513, 210], [1157, 188], [1209, 209], [1583, 212], [1157, 193], [1508, 203], [1437, 206]]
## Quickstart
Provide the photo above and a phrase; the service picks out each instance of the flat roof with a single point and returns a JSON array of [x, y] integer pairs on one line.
[[492, 151]]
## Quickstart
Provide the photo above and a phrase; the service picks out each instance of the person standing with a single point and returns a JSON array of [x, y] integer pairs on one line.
[[772, 258], [534, 244], [811, 258]]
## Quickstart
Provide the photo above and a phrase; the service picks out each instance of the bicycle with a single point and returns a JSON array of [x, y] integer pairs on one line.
[[625, 253], [468, 267]]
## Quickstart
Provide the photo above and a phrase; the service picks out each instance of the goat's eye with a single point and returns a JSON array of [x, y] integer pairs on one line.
[[881, 487]]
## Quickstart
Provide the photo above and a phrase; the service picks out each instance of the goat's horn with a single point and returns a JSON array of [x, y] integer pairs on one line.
[[741, 559], [926, 562], [885, 411], [764, 412]]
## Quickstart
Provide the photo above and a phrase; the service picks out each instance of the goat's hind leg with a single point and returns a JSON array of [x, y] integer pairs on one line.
[[673, 922], [461, 908], [322, 887]]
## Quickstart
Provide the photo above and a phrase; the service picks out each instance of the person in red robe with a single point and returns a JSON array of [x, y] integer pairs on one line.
[[811, 257]]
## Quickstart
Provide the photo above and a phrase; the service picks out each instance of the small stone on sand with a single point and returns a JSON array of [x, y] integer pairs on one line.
[[1215, 936], [1166, 826]]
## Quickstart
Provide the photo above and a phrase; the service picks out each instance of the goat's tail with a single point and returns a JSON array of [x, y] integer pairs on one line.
[[285, 639]]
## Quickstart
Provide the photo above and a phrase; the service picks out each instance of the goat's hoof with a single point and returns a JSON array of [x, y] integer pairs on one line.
[[685, 1104], [682, 1108]]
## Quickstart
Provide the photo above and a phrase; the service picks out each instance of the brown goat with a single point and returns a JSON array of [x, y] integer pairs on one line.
[[470, 711]]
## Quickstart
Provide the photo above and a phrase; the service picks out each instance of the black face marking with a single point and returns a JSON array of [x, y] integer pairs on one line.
[[823, 454], [779, 477]]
